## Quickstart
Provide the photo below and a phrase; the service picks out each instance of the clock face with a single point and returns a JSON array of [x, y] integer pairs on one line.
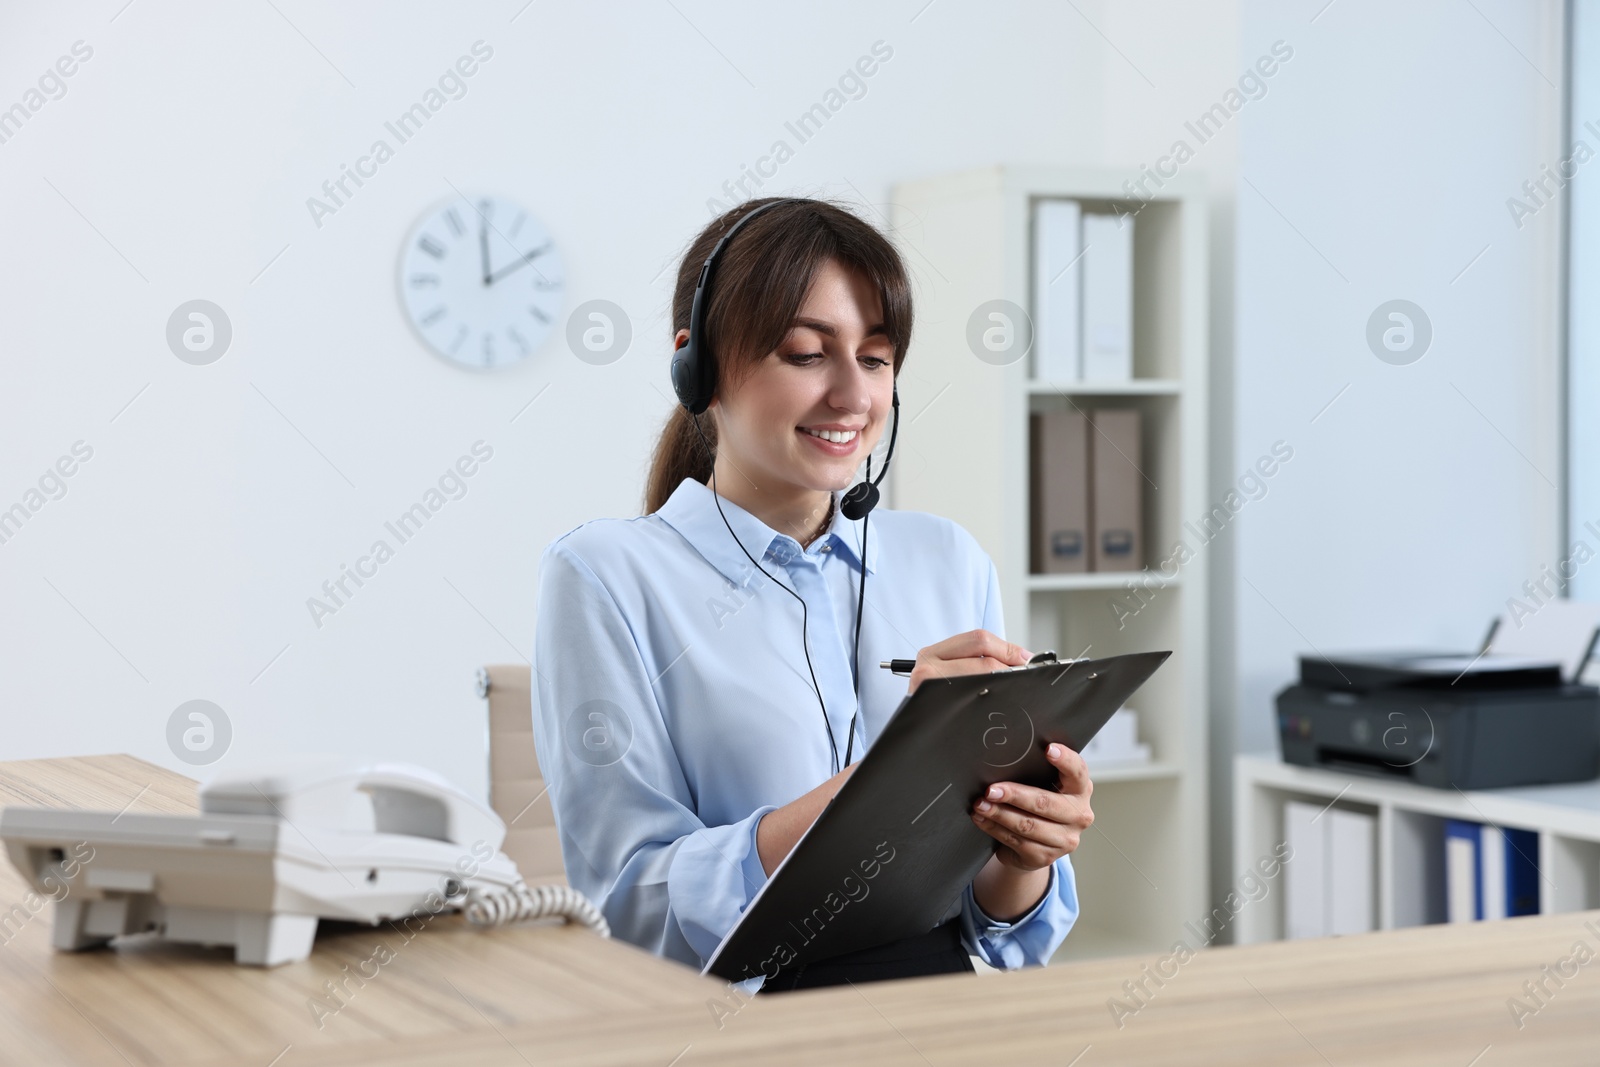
[[481, 281]]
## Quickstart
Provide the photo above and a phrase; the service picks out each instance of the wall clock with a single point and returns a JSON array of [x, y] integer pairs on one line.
[[481, 281]]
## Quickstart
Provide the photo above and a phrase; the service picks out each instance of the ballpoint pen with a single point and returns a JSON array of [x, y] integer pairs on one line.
[[905, 666]]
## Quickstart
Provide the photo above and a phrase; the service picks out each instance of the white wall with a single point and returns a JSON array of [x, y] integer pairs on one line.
[[178, 564], [1583, 401], [1427, 493], [177, 166]]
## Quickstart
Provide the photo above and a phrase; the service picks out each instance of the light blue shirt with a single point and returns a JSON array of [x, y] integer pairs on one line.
[[675, 708]]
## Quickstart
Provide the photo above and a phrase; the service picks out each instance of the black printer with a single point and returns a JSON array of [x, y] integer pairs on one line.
[[1445, 720]]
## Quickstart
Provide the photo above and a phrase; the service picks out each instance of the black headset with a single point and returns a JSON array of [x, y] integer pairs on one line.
[[694, 379]]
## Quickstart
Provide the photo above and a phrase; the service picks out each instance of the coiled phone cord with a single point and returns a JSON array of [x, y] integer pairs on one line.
[[522, 902]]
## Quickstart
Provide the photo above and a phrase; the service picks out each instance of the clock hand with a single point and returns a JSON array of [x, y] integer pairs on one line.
[[519, 264], [483, 245]]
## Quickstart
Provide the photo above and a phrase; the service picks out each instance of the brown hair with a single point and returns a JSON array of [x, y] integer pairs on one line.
[[761, 280]]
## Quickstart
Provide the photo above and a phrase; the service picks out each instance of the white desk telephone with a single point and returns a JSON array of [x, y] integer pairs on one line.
[[269, 854]]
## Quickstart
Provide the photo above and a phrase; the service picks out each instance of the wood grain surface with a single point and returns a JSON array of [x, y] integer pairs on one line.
[[537, 994]]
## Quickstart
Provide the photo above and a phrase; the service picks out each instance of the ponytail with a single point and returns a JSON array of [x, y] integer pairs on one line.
[[679, 454]]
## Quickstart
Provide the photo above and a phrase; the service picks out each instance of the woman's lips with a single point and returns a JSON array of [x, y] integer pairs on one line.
[[832, 448]]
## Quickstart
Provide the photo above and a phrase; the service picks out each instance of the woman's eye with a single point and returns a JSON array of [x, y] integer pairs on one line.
[[805, 359]]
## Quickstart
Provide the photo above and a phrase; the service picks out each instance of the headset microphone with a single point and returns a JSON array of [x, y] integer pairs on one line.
[[863, 496], [861, 499], [694, 380]]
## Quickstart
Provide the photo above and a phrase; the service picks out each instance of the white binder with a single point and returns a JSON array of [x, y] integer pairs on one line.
[[1057, 290], [1107, 297]]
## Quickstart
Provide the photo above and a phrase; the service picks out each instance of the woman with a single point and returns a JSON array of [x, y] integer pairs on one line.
[[686, 656]]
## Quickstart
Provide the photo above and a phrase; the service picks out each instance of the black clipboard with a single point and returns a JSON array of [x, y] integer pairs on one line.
[[896, 847]]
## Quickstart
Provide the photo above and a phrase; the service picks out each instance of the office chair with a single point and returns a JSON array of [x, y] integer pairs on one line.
[[516, 783]]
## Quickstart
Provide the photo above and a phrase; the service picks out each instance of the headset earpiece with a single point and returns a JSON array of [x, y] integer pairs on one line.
[[694, 371], [688, 370]]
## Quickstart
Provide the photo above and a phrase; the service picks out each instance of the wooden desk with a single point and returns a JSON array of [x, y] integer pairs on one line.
[[154, 1003], [544, 994]]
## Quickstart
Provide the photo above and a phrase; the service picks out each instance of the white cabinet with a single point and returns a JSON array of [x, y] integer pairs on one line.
[[965, 238], [1410, 871]]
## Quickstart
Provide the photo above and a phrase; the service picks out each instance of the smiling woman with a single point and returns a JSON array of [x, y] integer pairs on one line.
[[782, 284], [791, 318]]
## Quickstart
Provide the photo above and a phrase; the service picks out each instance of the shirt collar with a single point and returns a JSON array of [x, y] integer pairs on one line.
[[692, 511]]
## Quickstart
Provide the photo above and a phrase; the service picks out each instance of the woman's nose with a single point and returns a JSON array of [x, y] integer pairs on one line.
[[849, 390]]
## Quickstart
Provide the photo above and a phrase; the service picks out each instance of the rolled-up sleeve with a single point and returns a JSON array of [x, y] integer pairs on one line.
[[1034, 937], [630, 838]]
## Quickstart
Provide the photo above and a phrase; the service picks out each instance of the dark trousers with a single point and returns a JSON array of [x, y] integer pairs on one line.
[[938, 951]]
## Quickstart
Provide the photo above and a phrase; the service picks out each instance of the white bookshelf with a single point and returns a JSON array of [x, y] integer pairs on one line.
[[1409, 865], [966, 237]]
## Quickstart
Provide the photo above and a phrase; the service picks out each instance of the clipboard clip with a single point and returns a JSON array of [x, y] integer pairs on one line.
[[1050, 659], [1047, 658]]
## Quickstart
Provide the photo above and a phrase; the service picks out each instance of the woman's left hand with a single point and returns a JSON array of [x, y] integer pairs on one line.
[[1036, 827]]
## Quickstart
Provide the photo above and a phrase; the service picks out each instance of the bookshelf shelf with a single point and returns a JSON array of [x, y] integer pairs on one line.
[[1409, 864], [1133, 772], [1131, 387], [1097, 580], [968, 237]]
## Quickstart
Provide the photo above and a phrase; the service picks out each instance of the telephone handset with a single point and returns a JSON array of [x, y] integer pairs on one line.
[[273, 852], [327, 794]]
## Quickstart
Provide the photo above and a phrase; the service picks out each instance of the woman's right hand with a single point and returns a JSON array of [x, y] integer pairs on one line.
[[778, 831], [974, 652]]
